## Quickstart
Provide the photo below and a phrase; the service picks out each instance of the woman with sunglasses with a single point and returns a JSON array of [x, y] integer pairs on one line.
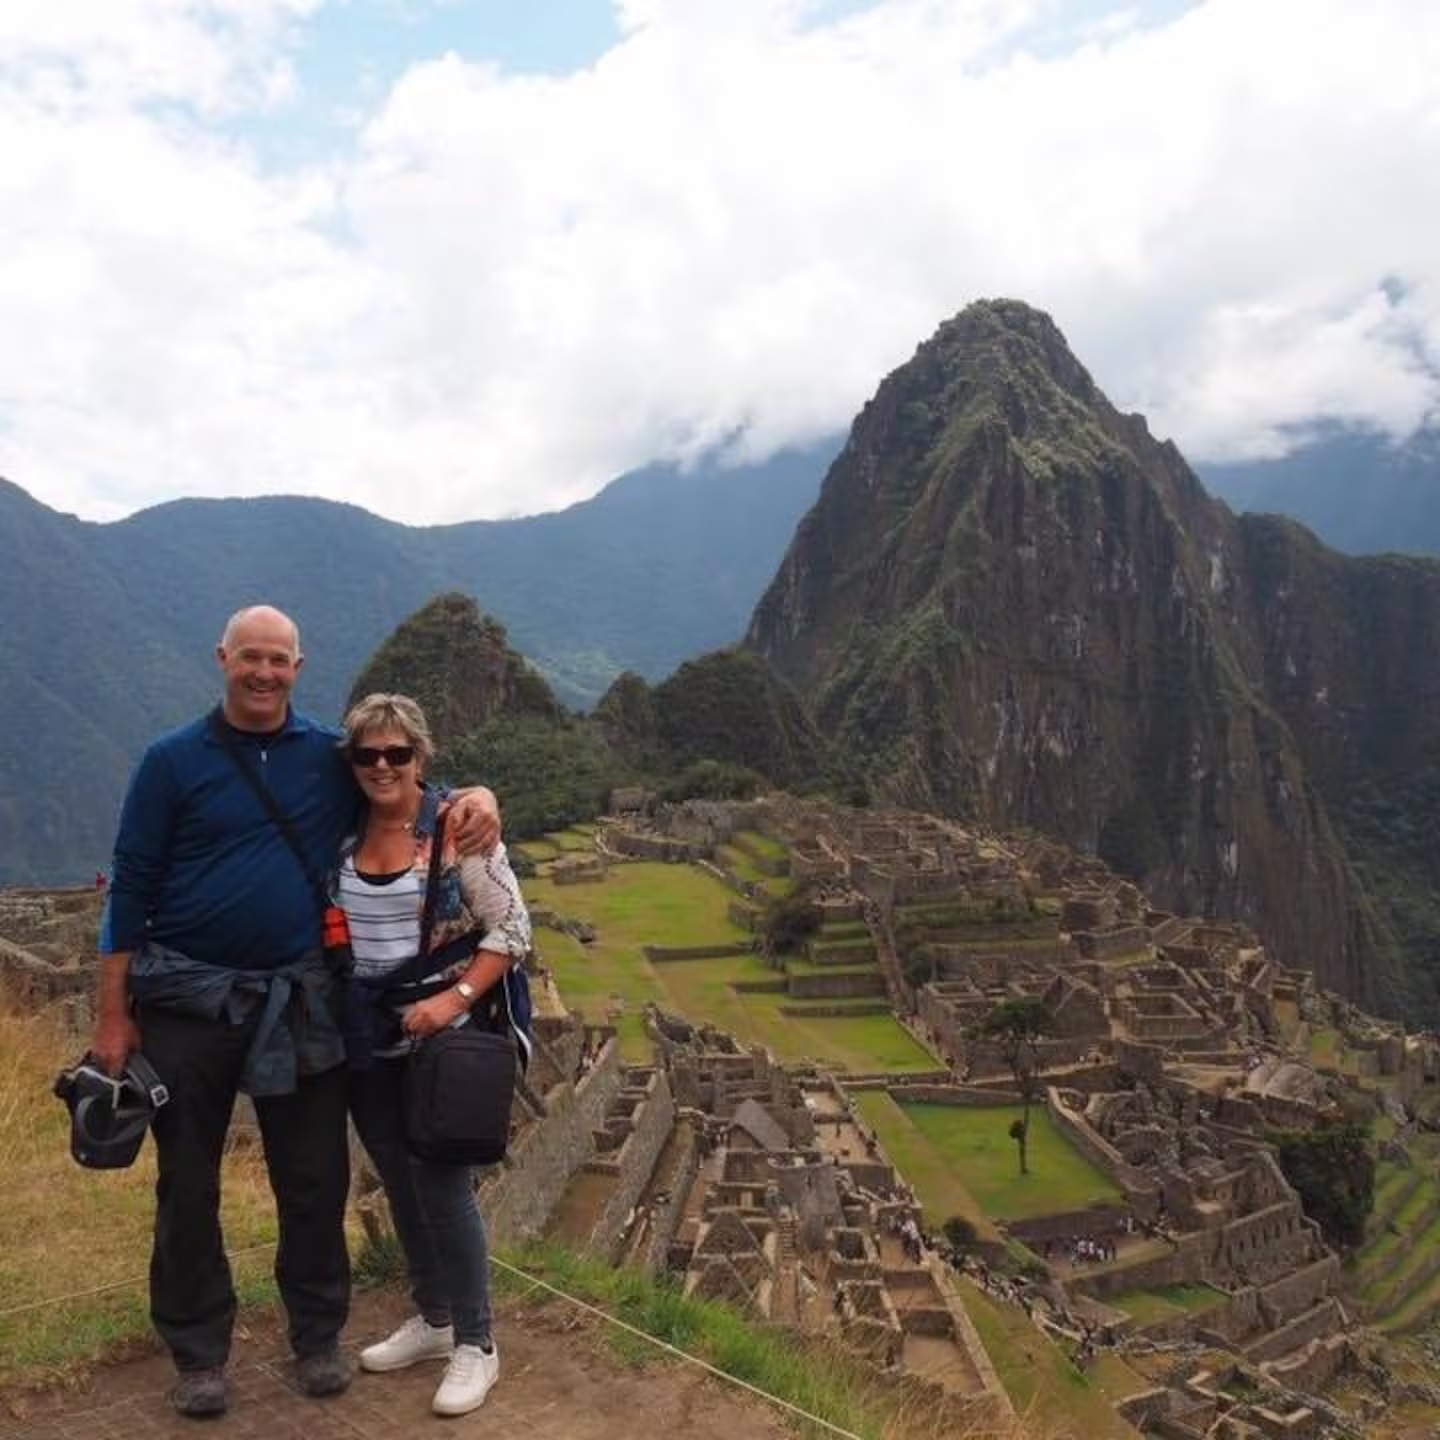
[[479, 931]]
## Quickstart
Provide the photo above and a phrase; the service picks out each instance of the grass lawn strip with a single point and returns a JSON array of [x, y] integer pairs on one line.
[[1166, 1302], [1052, 1396], [1415, 1311], [975, 1142], [1383, 1247], [1391, 1283], [742, 866], [937, 1184], [764, 845], [1390, 1182]]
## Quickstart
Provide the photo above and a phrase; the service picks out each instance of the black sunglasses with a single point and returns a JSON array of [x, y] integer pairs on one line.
[[371, 755]]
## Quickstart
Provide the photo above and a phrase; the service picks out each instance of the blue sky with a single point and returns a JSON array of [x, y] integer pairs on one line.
[[348, 55], [450, 259]]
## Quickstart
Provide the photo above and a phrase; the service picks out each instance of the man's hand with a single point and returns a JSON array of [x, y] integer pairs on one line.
[[472, 820], [116, 1037], [116, 1033]]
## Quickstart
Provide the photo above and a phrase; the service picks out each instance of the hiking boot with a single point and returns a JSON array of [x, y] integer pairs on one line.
[[327, 1372], [414, 1341], [468, 1378], [199, 1393]]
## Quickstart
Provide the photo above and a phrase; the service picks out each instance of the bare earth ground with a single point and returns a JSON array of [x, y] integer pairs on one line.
[[558, 1381]]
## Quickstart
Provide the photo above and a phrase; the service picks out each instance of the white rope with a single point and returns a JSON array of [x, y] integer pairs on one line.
[[537, 1283], [113, 1285]]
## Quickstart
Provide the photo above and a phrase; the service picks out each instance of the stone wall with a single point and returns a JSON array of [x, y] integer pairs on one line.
[[518, 1197], [747, 917], [1145, 1062], [1153, 1273], [1094, 1147], [665, 1216], [634, 1163], [1312, 1368], [1283, 1299], [1108, 944], [968, 1095], [815, 865], [860, 951], [35, 982], [822, 986], [644, 846], [1094, 1221], [1324, 1320], [994, 963], [1275, 1235], [659, 954]]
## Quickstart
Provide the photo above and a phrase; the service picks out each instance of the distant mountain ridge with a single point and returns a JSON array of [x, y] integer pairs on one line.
[[107, 631], [1012, 603], [1359, 491], [721, 726]]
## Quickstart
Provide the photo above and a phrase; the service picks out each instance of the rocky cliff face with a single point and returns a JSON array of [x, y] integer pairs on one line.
[[1017, 605]]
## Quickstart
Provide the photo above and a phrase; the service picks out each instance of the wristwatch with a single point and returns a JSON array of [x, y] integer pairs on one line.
[[465, 990]]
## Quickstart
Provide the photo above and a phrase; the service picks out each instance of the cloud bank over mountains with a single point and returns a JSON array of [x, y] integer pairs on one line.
[[483, 292]]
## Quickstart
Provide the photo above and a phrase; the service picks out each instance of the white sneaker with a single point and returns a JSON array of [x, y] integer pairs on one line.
[[414, 1341], [467, 1381]]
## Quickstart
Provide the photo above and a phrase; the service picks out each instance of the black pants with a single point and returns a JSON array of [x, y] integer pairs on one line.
[[192, 1297]]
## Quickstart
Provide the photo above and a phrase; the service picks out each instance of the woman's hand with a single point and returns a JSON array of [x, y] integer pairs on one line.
[[430, 1017]]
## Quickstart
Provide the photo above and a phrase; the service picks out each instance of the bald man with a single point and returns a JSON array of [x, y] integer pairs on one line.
[[211, 957]]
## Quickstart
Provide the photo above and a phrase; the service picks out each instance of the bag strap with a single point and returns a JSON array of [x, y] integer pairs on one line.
[[282, 822], [432, 887]]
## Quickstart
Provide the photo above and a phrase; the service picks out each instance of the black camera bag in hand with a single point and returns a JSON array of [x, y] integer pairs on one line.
[[459, 1086], [459, 1083]]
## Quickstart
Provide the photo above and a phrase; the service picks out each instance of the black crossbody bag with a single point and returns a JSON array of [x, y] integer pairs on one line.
[[459, 1083]]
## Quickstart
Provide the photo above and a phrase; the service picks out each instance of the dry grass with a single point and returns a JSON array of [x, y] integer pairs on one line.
[[75, 1243]]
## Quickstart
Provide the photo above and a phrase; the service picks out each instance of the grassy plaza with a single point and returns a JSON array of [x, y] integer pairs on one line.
[[651, 903], [934, 1146]]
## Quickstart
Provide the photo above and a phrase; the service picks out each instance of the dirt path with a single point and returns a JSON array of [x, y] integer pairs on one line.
[[559, 1381]]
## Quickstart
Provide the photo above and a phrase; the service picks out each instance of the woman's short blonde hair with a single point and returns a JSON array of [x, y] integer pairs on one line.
[[389, 712]]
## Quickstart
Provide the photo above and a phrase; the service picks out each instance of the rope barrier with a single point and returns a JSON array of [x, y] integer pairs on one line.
[[113, 1285], [534, 1282]]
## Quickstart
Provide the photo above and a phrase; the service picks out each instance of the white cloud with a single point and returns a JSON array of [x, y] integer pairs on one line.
[[101, 54], [739, 217]]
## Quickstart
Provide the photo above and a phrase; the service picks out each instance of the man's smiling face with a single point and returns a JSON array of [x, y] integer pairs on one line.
[[260, 661]]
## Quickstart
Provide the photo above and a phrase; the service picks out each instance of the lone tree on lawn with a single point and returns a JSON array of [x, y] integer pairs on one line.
[[1016, 1027]]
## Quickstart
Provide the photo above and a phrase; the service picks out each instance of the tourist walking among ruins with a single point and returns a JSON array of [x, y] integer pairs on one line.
[[478, 936], [211, 956]]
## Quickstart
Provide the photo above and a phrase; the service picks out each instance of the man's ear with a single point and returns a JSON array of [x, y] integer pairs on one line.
[[299, 661], [220, 656]]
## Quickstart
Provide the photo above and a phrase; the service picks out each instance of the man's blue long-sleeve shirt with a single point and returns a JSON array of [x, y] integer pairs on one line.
[[199, 865]]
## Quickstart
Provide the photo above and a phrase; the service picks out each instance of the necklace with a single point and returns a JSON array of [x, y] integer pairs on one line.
[[397, 825]]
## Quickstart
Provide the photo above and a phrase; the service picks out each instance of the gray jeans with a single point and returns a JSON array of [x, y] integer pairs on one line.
[[433, 1208]]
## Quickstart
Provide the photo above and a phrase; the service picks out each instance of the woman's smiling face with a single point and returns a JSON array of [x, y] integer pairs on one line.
[[387, 768]]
